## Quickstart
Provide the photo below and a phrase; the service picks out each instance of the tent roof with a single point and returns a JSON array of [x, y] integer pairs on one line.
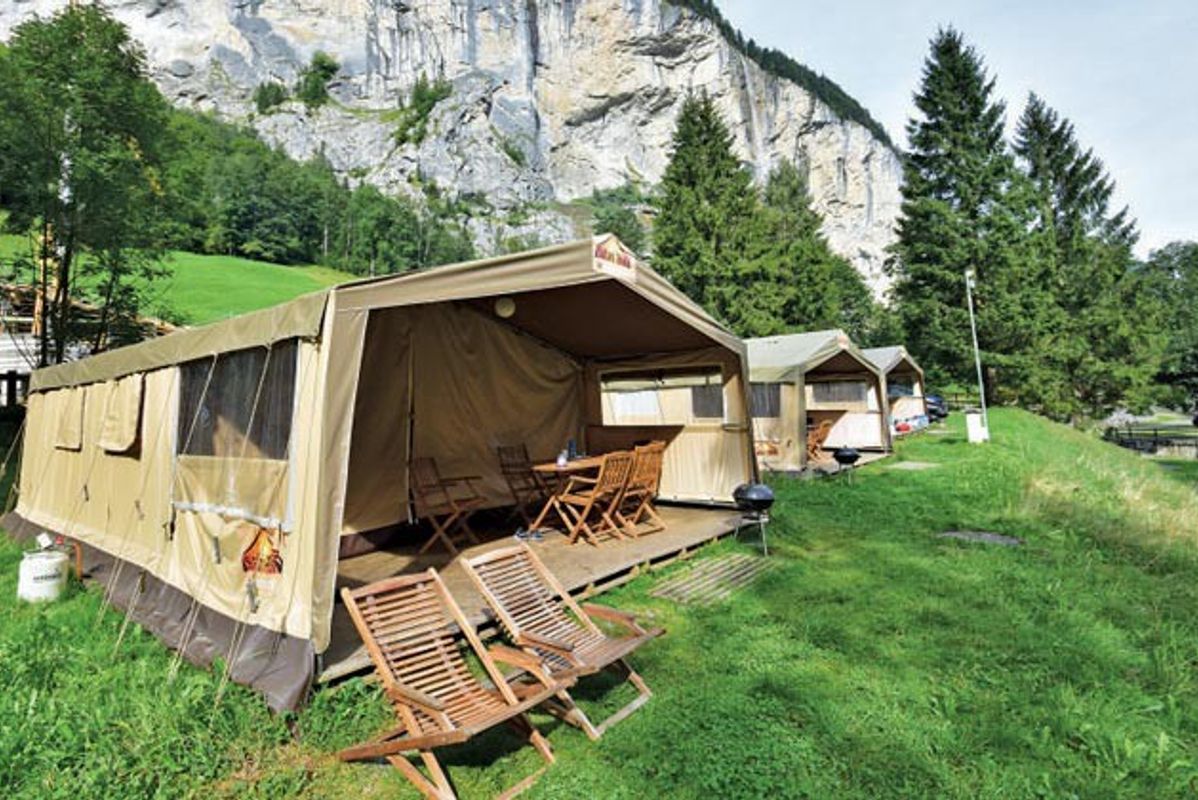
[[888, 358], [785, 358], [596, 261]]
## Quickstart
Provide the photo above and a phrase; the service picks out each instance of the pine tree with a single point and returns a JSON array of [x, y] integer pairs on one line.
[[965, 207], [754, 259], [707, 204], [1105, 350], [793, 279], [1171, 275]]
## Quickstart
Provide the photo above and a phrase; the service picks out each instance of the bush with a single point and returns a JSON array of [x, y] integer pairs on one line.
[[412, 126], [312, 87], [269, 95]]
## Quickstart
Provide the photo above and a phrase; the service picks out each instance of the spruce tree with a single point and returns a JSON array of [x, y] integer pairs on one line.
[[1171, 275], [965, 206], [794, 281], [1105, 350], [754, 259], [707, 201]]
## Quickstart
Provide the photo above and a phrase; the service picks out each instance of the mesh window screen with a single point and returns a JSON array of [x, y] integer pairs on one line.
[[707, 402], [839, 392], [246, 409], [767, 399]]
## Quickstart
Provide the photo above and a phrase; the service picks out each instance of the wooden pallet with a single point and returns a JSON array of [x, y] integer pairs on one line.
[[712, 580]]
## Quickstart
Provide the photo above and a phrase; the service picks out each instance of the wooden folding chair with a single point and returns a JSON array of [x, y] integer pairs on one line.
[[410, 625], [529, 492], [446, 503], [584, 497], [641, 491], [543, 619], [816, 439]]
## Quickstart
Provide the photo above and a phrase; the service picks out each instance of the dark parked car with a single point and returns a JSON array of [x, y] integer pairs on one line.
[[937, 407]]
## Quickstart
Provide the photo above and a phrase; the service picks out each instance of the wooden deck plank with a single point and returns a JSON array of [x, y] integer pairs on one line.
[[583, 569]]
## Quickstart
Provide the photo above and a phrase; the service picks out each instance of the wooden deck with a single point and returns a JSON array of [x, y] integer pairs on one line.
[[583, 569]]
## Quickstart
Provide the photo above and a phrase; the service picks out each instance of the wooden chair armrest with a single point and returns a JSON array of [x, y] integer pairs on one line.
[[614, 615], [406, 694], [516, 658], [527, 639], [576, 481], [525, 661]]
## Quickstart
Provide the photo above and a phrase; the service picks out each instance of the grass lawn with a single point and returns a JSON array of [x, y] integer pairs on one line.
[[875, 660], [204, 288]]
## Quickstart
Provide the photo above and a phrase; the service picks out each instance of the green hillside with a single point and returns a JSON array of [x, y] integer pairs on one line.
[[206, 288], [875, 660]]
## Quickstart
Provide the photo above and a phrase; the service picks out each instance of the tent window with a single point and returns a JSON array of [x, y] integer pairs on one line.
[[662, 397], [643, 403], [221, 420], [839, 392], [707, 402], [767, 399]]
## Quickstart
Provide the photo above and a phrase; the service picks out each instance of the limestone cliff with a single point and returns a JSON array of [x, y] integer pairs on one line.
[[585, 90]]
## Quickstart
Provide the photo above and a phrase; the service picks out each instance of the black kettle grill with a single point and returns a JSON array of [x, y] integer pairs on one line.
[[755, 500], [846, 456]]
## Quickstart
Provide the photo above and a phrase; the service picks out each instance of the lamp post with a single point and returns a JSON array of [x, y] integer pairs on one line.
[[977, 356]]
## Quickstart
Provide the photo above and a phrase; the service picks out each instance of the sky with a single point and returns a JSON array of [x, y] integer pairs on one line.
[[1125, 73]]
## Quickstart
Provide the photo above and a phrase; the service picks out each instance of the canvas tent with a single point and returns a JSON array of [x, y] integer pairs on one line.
[[800, 380], [904, 384], [216, 469]]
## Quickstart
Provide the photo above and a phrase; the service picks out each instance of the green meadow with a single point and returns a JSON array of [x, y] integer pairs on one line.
[[206, 288]]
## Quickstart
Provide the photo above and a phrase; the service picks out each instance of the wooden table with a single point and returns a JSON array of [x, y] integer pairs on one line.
[[561, 475]]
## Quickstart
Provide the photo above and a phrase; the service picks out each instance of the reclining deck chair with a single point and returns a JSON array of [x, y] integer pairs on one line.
[[641, 491], [529, 492], [541, 617], [446, 503], [409, 624]]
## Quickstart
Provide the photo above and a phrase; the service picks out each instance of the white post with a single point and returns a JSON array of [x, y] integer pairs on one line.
[[977, 356]]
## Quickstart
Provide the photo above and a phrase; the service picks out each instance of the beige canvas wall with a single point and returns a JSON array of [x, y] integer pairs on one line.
[[906, 407], [779, 442], [705, 459], [477, 384], [121, 502]]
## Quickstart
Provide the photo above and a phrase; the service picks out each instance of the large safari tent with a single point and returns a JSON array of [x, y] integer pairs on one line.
[[216, 471], [804, 379], [905, 391]]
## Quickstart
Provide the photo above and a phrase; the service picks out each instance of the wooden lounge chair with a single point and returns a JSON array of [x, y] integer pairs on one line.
[[583, 498], [446, 503], [816, 439], [409, 624], [639, 494], [529, 492], [541, 617]]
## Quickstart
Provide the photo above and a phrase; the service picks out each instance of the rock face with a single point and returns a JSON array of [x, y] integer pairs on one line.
[[550, 99]]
